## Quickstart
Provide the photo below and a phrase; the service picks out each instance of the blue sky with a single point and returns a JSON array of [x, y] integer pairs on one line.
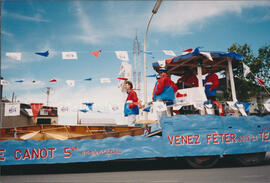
[[81, 26]]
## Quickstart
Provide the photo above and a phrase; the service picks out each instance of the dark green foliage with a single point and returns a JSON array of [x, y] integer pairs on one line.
[[259, 64]]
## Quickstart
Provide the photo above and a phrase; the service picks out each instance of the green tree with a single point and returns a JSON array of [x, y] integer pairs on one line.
[[259, 65]]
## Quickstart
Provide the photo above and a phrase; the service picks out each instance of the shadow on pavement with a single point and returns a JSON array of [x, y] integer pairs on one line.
[[109, 166]]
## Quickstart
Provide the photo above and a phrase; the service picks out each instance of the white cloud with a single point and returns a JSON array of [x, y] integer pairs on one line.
[[35, 18], [173, 17], [179, 17], [89, 33], [117, 22], [5, 33]]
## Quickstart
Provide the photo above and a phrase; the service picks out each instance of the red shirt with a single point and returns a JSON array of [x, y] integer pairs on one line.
[[191, 81], [213, 78], [132, 95], [163, 82]]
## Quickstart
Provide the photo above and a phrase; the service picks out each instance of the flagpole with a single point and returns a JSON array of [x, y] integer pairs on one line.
[[154, 11]]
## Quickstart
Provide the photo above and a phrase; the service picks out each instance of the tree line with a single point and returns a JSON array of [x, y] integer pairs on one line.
[[259, 64]]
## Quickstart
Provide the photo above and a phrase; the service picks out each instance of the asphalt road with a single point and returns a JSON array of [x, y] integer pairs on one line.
[[154, 171]]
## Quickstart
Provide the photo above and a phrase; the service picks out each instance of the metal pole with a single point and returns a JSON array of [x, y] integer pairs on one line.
[[232, 80], [48, 95], [144, 67], [199, 71], [1, 86]]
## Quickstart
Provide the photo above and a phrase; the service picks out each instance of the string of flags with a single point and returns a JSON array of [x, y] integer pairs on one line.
[[89, 105], [124, 75], [121, 55], [70, 83], [13, 109], [73, 55]]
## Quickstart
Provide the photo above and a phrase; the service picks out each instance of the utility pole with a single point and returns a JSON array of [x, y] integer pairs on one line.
[[13, 96], [48, 94], [134, 63], [139, 68]]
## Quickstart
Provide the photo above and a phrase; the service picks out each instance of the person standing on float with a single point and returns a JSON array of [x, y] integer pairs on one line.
[[164, 90], [131, 108]]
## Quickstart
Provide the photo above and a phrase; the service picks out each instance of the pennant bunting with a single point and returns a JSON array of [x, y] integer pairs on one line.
[[14, 55], [105, 80], [125, 70], [207, 55], [125, 79], [12, 109], [88, 79], [96, 53], [148, 52], [122, 55], [169, 52], [19, 81], [147, 109], [44, 54], [261, 82], [197, 50], [70, 83], [35, 109], [4, 82], [151, 76], [187, 51], [69, 55], [52, 81], [124, 75], [84, 110], [89, 105], [246, 70]]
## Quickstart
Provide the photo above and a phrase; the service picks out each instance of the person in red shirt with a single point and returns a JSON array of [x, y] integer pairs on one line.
[[164, 90], [131, 108], [211, 83], [189, 80]]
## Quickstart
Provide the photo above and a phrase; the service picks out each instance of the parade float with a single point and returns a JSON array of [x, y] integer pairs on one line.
[[201, 137]]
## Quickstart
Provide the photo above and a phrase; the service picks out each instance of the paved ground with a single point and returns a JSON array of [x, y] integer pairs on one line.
[[155, 171]]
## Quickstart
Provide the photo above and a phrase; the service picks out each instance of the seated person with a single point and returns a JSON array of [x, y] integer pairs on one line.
[[211, 83], [188, 80]]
